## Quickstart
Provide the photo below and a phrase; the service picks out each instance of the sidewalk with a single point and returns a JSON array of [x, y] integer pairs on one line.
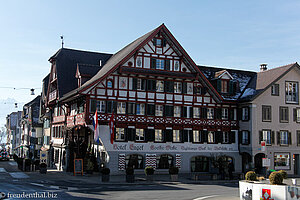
[[54, 176]]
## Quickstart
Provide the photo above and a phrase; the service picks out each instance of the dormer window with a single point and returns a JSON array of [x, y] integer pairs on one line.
[[224, 86]]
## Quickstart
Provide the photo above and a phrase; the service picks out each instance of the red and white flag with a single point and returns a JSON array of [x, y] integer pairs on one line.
[[112, 128]]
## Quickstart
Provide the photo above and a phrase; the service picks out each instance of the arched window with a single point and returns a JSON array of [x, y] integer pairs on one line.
[[164, 161], [135, 161], [199, 164]]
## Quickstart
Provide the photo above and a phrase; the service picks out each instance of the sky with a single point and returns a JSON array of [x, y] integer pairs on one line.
[[232, 34]]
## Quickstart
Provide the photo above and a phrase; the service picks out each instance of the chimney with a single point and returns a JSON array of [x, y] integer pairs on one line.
[[100, 63], [263, 67]]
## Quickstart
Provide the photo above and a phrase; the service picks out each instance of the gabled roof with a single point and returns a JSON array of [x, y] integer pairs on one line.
[[88, 70], [66, 64], [265, 79], [243, 78], [121, 56], [221, 73]]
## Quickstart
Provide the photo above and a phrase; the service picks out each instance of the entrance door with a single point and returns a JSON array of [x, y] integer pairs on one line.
[[297, 165], [258, 163]]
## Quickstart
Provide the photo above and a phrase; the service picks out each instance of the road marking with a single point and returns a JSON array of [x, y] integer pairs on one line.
[[54, 187], [18, 175], [72, 188], [206, 197], [2, 170], [37, 184], [13, 163]]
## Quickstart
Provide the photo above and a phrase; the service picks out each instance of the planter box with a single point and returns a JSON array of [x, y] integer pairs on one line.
[[259, 190], [149, 178], [174, 177], [43, 170], [130, 178], [105, 178]]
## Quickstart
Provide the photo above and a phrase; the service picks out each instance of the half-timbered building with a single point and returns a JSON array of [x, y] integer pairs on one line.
[[165, 110]]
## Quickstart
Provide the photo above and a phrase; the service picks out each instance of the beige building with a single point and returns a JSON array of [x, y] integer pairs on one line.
[[270, 112]]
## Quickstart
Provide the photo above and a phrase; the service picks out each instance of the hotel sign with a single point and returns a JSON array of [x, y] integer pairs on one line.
[[150, 147]]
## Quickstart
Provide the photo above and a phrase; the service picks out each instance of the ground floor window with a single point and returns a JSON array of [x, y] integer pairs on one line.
[[199, 164], [135, 161], [164, 161], [282, 161]]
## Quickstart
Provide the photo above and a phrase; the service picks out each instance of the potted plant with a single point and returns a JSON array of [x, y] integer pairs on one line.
[[43, 168], [251, 176], [90, 167], [105, 174], [129, 175], [149, 171], [173, 171]]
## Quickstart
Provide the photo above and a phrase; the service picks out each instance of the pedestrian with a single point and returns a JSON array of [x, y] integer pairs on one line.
[[230, 169]]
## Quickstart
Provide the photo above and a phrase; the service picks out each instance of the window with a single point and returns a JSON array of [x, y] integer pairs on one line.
[[169, 111], [139, 134], [199, 164], [282, 161], [160, 64], [169, 86], [196, 112], [176, 136], [197, 136], [177, 111], [151, 109], [159, 86], [158, 110], [266, 113], [140, 84], [298, 137], [110, 106], [296, 114], [140, 109], [267, 137], [245, 137], [158, 135], [151, 85], [120, 134], [121, 109], [245, 113], [211, 137], [291, 92], [134, 161], [284, 140], [224, 113], [178, 87], [109, 84], [176, 65], [187, 88], [224, 87], [131, 108], [283, 114], [187, 111], [210, 113], [164, 161], [225, 137], [275, 90]]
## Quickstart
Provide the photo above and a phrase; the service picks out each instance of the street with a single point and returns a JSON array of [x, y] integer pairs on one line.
[[15, 183]]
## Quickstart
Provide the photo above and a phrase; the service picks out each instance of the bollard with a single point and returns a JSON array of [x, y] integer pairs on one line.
[[24, 165]]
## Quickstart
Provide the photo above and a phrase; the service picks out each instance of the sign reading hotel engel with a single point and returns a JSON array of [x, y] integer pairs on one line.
[[172, 147]]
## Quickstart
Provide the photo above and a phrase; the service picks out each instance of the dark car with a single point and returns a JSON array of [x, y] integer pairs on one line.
[[4, 155]]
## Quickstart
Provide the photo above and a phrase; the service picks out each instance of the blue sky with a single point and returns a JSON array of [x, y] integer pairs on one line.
[[233, 34]]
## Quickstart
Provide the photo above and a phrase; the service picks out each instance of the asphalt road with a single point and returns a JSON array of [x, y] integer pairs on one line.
[[14, 184]]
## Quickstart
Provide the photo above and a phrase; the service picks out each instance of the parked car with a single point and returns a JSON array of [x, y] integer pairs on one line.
[[4, 156]]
